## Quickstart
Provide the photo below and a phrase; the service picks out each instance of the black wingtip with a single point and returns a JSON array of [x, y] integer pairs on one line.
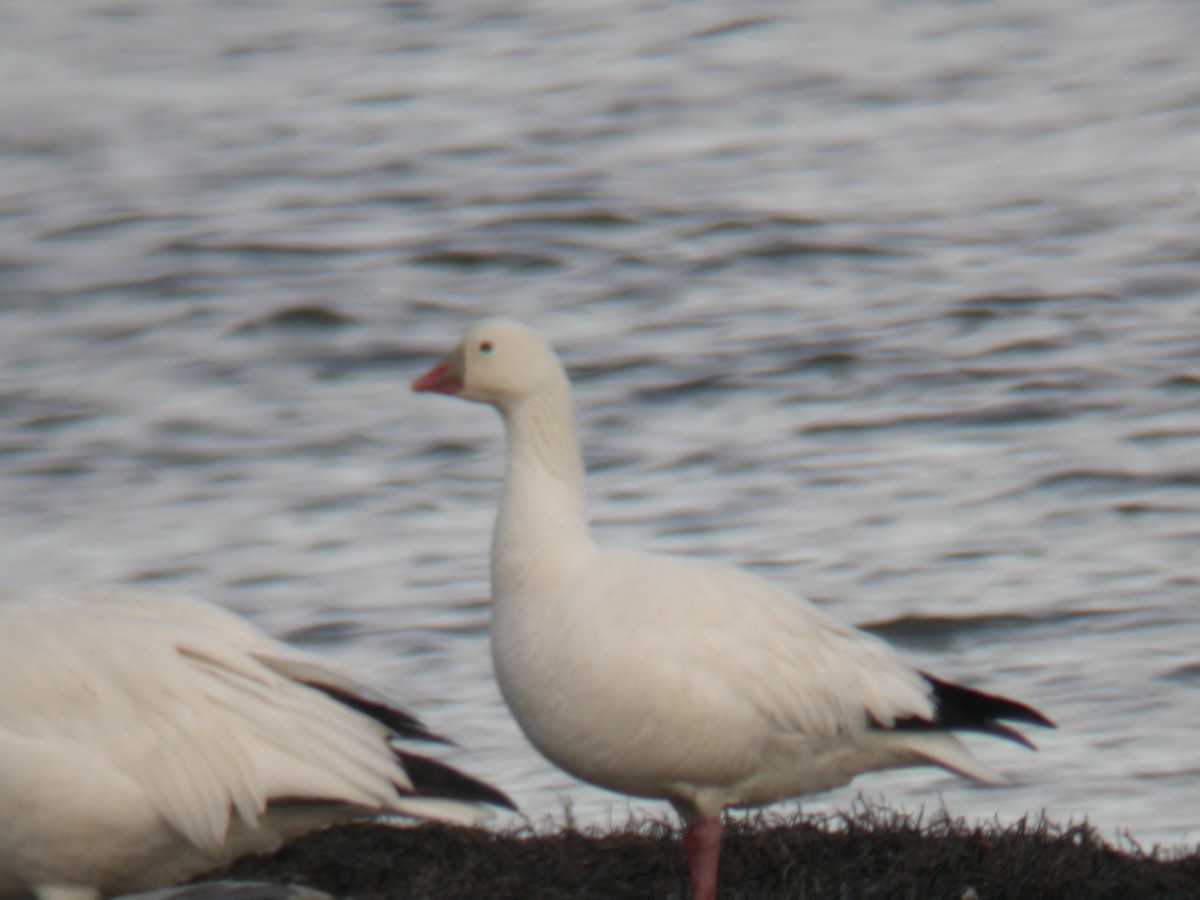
[[997, 729], [959, 708], [972, 705], [431, 778], [401, 723]]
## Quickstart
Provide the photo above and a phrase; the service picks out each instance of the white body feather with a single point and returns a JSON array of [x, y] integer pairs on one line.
[[703, 684]]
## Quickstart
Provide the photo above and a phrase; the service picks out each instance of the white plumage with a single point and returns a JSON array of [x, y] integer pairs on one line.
[[672, 678], [146, 738]]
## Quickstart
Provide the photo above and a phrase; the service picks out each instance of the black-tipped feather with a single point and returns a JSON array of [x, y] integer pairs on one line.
[[402, 724], [429, 777], [958, 708], [434, 779]]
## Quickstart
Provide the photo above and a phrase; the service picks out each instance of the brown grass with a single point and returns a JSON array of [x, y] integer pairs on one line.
[[871, 853]]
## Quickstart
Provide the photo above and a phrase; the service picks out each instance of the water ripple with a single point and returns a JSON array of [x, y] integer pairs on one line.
[[896, 304]]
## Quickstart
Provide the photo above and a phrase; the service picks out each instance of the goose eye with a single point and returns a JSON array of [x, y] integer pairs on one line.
[[485, 347]]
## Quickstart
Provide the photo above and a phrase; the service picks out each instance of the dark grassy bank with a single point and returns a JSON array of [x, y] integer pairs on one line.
[[872, 854]]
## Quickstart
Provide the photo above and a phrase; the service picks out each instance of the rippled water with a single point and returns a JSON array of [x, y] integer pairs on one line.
[[896, 303]]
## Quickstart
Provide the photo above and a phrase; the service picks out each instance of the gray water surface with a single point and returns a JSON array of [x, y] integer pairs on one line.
[[895, 303]]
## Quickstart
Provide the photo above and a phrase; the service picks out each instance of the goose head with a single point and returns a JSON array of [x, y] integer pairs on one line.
[[499, 362]]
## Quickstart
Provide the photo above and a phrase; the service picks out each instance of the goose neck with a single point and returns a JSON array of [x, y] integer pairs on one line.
[[543, 507]]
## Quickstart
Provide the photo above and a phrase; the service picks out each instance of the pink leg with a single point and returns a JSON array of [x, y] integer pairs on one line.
[[703, 844]]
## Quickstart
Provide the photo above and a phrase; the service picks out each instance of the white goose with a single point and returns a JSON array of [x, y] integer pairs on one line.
[[144, 739], [678, 679]]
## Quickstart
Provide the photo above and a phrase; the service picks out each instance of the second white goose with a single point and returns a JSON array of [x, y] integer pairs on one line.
[[146, 738]]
